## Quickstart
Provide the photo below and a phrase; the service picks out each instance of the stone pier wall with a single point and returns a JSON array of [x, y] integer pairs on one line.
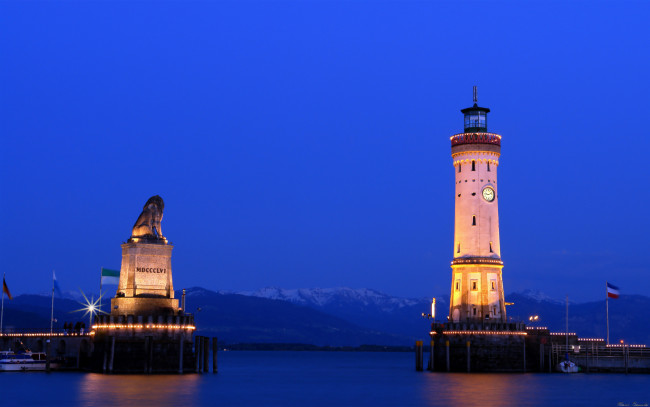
[[487, 353], [69, 350]]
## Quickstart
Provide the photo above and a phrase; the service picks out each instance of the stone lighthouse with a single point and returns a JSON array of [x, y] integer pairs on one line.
[[476, 284]]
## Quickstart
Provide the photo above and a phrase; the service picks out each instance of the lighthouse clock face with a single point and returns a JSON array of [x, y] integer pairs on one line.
[[488, 194]]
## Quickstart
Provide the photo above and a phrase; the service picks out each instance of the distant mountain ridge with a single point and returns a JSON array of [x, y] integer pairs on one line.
[[325, 296], [344, 316]]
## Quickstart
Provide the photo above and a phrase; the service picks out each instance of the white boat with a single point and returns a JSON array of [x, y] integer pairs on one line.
[[22, 361], [566, 366]]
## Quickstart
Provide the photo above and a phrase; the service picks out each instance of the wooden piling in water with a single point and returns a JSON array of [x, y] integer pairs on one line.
[[146, 355], [48, 348], [206, 354], [214, 355], [431, 356], [150, 356], [447, 346], [418, 356], [110, 363], [180, 362], [199, 354], [105, 365], [524, 355], [468, 358]]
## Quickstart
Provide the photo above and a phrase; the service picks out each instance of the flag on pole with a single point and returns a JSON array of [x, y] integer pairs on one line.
[[612, 291], [5, 289], [55, 284], [110, 276]]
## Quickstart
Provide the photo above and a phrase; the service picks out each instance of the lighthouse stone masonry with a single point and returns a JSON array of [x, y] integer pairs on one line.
[[477, 286], [477, 337]]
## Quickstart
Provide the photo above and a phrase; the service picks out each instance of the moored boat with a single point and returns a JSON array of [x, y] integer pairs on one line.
[[11, 361], [566, 366]]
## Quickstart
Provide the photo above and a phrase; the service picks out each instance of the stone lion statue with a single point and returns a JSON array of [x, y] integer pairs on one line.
[[148, 224]]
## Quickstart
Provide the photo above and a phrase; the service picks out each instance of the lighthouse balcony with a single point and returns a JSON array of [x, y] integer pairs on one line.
[[477, 260], [476, 138]]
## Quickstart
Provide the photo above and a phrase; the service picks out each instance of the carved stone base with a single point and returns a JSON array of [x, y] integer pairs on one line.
[[143, 306], [146, 270]]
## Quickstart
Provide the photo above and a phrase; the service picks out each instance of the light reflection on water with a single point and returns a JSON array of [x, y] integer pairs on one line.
[[486, 390], [138, 390], [322, 379]]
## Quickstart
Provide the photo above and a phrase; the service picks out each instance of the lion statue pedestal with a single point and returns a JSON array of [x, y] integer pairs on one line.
[[145, 286], [145, 332]]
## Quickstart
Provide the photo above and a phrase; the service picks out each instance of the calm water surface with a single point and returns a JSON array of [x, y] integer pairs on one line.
[[323, 379]]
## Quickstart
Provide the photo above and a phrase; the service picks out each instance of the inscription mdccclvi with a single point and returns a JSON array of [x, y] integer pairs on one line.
[[150, 270]]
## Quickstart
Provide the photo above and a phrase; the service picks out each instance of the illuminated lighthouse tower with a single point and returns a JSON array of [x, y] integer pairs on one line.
[[476, 285]]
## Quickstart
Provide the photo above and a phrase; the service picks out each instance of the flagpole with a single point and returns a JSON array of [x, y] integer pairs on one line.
[[2, 313], [567, 328], [52, 313], [607, 310], [101, 271]]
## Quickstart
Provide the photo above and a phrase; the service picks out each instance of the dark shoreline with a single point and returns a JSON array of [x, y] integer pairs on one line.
[[312, 348]]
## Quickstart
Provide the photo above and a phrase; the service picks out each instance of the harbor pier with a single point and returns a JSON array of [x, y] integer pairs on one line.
[[513, 347], [71, 350]]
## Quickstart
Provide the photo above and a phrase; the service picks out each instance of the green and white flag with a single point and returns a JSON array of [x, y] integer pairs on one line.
[[110, 276]]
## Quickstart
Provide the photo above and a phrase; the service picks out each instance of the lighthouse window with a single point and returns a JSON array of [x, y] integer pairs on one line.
[[474, 285], [491, 248], [459, 195], [473, 220], [474, 311], [473, 165], [458, 251], [457, 285], [459, 167], [493, 285], [488, 166]]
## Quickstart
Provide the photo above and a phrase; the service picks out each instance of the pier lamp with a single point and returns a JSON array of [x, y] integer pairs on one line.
[[90, 307], [432, 315]]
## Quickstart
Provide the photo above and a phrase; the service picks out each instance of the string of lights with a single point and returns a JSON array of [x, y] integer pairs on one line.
[[142, 326], [473, 138], [481, 333], [34, 334]]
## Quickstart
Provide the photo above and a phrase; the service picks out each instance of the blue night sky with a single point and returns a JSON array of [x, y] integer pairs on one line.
[[306, 144]]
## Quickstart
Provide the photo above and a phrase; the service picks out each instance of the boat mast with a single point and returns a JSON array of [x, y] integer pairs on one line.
[[2, 313], [567, 323], [607, 310], [52, 313]]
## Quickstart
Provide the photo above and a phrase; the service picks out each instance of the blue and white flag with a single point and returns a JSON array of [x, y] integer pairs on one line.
[[612, 291], [55, 285]]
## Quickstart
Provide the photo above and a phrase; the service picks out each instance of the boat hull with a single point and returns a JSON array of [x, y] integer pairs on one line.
[[22, 367]]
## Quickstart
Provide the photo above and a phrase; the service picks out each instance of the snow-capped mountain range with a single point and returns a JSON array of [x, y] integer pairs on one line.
[[322, 297]]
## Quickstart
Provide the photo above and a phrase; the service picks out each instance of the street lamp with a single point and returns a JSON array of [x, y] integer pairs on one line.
[[432, 315], [90, 307]]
